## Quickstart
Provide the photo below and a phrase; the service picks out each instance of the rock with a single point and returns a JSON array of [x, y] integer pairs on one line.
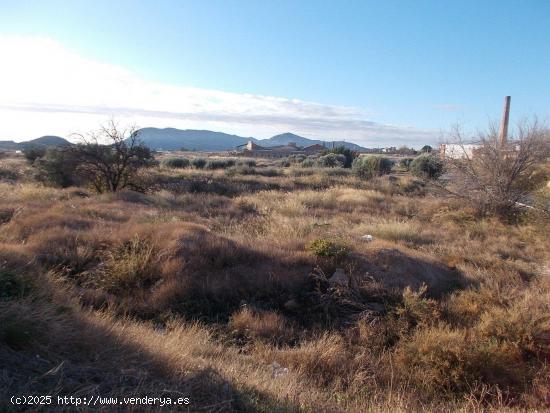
[[367, 238], [291, 304], [339, 278], [277, 370]]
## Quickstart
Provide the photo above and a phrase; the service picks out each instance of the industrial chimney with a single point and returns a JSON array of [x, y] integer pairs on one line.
[[503, 133]]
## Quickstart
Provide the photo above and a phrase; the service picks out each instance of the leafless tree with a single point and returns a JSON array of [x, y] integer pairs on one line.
[[110, 157], [499, 177]]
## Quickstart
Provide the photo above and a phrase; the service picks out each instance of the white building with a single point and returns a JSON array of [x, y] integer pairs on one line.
[[458, 151]]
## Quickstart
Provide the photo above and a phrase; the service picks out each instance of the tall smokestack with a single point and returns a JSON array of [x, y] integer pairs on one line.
[[503, 133]]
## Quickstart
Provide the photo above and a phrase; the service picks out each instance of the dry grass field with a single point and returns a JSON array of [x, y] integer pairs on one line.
[[215, 284]]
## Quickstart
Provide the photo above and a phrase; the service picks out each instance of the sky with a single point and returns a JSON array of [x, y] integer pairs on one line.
[[378, 73]]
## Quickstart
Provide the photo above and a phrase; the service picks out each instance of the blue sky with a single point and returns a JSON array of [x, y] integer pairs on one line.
[[385, 72]]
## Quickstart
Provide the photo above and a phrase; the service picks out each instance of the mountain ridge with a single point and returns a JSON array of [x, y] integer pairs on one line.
[[191, 139], [206, 140]]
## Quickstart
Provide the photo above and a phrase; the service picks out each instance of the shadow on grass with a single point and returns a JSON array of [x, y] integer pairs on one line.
[[90, 361]]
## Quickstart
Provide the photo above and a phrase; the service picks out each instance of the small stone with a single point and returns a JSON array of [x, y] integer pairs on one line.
[[367, 238], [277, 370]]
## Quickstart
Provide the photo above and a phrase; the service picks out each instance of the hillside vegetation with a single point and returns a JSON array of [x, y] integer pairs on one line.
[[251, 287]]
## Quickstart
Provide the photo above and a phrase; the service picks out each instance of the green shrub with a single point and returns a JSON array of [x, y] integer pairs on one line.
[[427, 166], [371, 166], [309, 162], [405, 163], [219, 163], [198, 163], [296, 158], [332, 160], [347, 153], [58, 167], [176, 162], [325, 248], [32, 153]]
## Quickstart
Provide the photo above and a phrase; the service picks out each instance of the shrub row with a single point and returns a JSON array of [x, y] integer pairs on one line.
[[214, 163]]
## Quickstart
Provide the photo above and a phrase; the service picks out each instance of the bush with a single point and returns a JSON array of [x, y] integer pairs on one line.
[[332, 160], [219, 163], [371, 166], [309, 162], [405, 163], [497, 180], [347, 153], [198, 163], [284, 162], [58, 167], [325, 248], [246, 162], [296, 158], [427, 166], [34, 152], [176, 162]]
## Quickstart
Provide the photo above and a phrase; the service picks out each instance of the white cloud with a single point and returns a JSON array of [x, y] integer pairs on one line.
[[46, 89]]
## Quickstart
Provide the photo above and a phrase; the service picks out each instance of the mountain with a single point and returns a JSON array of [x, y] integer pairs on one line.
[[9, 145], [46, 141], [205, 140], [42, 141], [285, 138], [201, 140]]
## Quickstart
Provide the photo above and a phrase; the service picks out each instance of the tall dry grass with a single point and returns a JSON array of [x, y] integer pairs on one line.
[[209, 288]]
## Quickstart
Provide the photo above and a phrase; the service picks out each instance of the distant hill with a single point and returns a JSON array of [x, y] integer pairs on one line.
[[43, 141], [285, 138], [201, 140], [205, 140], [46, 141], [9, 145]]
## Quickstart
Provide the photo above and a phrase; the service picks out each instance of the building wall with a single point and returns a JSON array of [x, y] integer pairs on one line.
[[457, 151]]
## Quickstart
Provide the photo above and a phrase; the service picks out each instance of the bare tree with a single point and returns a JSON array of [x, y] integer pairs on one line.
[[110, 157], [499, 177]]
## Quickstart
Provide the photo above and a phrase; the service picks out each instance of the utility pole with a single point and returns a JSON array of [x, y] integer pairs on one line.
[[503, 133]]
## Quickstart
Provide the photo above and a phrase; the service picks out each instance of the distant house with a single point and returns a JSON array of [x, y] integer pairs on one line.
[[458, 151], [254, 150]]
